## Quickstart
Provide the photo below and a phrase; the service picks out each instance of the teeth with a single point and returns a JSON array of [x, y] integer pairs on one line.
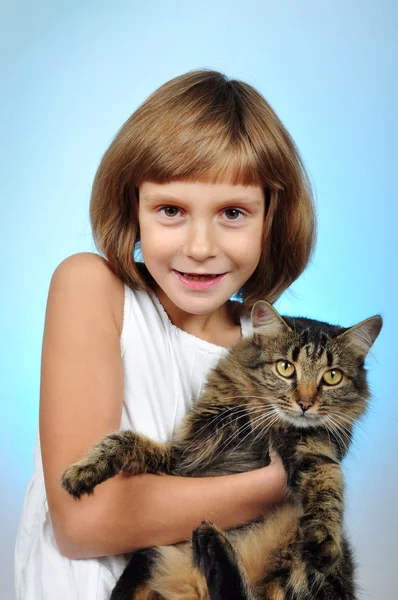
[[199, 277]]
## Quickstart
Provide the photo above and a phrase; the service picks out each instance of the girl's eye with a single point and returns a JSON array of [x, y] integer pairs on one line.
[[332, 377], [285, 368], [170, 211], [233, 213]]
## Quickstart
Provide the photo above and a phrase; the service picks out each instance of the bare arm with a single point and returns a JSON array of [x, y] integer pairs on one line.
[[132, 512], [81, 402]]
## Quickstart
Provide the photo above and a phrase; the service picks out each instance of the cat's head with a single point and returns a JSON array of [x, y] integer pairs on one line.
[[310, 373]]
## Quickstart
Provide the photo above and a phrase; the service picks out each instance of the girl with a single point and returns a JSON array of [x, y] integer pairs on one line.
[[204, 180]]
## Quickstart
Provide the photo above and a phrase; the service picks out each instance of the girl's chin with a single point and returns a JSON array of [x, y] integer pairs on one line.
[[190, 302]]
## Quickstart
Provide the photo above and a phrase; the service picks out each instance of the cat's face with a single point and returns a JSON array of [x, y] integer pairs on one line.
[[310, 373]]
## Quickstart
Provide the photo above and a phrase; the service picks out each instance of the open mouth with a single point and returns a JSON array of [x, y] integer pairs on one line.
[[194, 277], [196, 282]]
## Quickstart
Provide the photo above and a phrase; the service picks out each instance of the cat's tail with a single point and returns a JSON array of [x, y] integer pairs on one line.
[[218, 562]]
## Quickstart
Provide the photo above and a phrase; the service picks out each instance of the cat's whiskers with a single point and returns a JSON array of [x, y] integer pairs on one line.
[[335, 431], [262, 431], [343, 430], [331, 430], [354, 423], [259, 421], [260, 427], [227, 442], [221, 415], [252, 421], [341, 419], [231, 422], [263, 397], [338, 426], [238, 407], [346, 418], [327, 431]]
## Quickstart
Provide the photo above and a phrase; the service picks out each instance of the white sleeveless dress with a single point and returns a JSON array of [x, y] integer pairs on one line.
[[164, 372]]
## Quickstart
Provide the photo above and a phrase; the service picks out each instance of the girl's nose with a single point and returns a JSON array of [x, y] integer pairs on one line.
[[200, 242]]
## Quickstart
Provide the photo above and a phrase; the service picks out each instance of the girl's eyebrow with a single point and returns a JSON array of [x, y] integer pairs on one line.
[[168, 198]]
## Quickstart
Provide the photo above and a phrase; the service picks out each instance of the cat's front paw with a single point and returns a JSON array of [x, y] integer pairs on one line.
[[115, 453], [82, 477], [320, 544]]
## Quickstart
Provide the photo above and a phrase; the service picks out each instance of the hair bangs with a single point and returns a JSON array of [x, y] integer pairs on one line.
[[212, 160], [211, 147]]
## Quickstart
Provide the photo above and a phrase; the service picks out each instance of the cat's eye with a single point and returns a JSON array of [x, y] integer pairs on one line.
[[332, 377], [285, 368]]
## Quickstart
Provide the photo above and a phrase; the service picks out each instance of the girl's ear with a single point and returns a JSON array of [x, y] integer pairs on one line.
[[361, 337], [266, 320]]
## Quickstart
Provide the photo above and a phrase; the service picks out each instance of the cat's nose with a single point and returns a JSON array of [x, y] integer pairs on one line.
[[304, 404]]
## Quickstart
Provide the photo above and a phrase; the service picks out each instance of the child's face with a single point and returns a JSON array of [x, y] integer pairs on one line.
[[200, 228]]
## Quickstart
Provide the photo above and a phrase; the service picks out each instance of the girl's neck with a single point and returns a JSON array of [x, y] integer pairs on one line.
[[217, 327]]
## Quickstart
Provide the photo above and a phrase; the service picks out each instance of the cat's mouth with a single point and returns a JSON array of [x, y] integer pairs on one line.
[[301, 419]]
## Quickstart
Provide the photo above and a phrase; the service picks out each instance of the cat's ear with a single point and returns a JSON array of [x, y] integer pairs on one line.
[[362, 336], [266, 320]]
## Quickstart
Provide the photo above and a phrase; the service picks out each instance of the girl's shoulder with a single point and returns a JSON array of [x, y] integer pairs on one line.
[[87, 266]]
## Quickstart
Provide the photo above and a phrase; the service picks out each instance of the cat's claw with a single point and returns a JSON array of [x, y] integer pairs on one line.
[[320, 546]]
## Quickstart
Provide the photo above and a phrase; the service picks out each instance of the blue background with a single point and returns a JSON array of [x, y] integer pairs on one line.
[[72, 72]]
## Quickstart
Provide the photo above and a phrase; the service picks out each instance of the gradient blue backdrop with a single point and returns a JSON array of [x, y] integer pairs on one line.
[[72, 72]]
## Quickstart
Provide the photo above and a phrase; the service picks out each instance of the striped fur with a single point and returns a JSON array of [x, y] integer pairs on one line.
[[248, 408]]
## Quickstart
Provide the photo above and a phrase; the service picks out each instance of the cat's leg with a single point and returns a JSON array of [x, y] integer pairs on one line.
[[132, 584], [120, 451], [270, 552], [315, 478], [217, 560], [271, 558], [291, 577], [340, 583], [321, 524]]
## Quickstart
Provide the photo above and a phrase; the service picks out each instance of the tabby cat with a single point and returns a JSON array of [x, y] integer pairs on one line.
[[295, 387]]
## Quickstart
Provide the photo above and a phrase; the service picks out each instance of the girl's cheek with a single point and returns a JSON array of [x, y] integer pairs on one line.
[[159, 242]]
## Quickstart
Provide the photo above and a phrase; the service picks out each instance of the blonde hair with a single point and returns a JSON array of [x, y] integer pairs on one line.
[[201, 126]]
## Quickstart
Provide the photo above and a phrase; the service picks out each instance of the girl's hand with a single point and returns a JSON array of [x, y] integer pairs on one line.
[[279, 477]]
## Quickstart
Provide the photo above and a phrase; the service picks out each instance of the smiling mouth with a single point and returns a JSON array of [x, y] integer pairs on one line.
[[194, 277]]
